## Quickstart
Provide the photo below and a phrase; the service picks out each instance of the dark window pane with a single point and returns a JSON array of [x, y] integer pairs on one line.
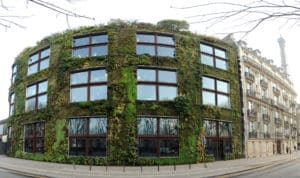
[[223, 101], [45, 53], [32, 69], [77, 146], [98, 125], [29, 130], [168, 126], [39, 148], [81, 52], [222, 86], [98, 92], [29, 145], [43, 87], [146, 92], [42, 101], [167, 76], [228, 147], [81, 41], [77, 126], [169, 148], [146, 75], [208, 98], [147, 126], [99, 39], [98, 76], [220, 53], [145, 49], [145, 38], [208, 83], [206, 48], [79, 78], [98, 147], [99, 50], [166, 51], [165, 40], [225, 129], [210, 128], [167, 93], [207, 60], [221, 64], [147, 148], [40, 129], [44, 64], [78, 94]]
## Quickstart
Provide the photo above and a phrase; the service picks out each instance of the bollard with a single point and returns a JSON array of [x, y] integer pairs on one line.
[[141, 169], [174, 166], [190, 166], [91, 163], [74, 166], [106, 167], [157, 167], [123, 167]]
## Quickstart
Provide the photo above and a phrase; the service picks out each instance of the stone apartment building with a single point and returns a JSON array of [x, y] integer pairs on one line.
[[269, 104]]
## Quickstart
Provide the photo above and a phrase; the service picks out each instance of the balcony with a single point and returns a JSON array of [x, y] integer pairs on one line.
[[263, 83], [286, 124], [267, 135], [286, 136], [278, 134], [278, 121], [293, 103], [282, 106], [252, 115], [253, 134], [285, 96], [249, 76], [266, 118], [294, 126], [251, 93], [276, 91], [266, 99]]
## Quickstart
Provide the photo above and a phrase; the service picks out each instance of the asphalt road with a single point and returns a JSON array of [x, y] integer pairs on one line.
[[288, 170], [9, 174]]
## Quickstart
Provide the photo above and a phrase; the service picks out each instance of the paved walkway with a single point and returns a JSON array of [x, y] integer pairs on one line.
[[214, 169]]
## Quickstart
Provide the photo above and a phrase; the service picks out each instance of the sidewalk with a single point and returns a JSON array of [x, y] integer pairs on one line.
[[218, 168]]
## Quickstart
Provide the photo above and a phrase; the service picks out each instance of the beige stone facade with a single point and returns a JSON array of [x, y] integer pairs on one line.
[[269, 106]]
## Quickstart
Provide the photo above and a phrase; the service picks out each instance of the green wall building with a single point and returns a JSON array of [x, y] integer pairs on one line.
[[126, 93]]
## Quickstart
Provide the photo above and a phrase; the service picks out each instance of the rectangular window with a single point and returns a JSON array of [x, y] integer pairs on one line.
[[215, 92], [90, 46], [88, 85], [213, 56], [34, 137], [12, 104], [39, 61], [156, 84], [14, 73], [158, 136], [87, 136], [36, 96], [155, 44]]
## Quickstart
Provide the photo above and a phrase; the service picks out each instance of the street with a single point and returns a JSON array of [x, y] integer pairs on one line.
[[9, 174], [290, 169]]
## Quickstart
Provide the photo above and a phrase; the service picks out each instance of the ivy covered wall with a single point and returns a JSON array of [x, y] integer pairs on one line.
[[121, 106]]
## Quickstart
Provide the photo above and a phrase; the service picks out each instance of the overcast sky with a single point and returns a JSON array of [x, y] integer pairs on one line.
[[42, 22]]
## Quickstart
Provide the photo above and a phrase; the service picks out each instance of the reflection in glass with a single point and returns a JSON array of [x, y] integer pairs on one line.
[[32, 69], [222, 86], [81, 41], [39, 147], [221, 64], [223, 101], [33, 58], [79, 78], [77, 146], [166, 51], [40, 129], [98, 147], [42, 101], [99, 39], [43, 86], [168, 127], [78, 94], [98, 125], [28, 145], [208, 83], [147, 126], [99, 50], [220, 53], [167, 93], [31, 91], [146, 92], [169, 148], [29, 130], [77, 126], [146, 75], [225, 129], [81, 52], [98, 76], [167, 76], [208, 98], [30, 104], [207, 60], [206, 48], [147, 147], [165, 40], [44, 64], [145, 49], [98, 92], [45, 53], [145, 38], [210, 128]]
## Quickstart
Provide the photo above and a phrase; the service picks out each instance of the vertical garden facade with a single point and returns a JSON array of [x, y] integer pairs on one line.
[[126, 93]]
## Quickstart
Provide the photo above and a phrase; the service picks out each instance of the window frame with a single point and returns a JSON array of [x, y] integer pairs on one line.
[[90, 45], [214, 56], [14, 73], [89, 84], [36, 95], [157, 83], [87, 136], [39, 60], [12, 103], [156, 44], [158, 137], [216, 92], [34, 137]]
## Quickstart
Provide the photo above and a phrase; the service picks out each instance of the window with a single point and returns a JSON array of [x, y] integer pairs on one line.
[[155, 44], [90, 46], [36, 96], [88, 85], [9, 138], [12, 104], [217, 128], [14, 73], [158, 137], [156, 84], [213, 56], [225, 129], [215, 92], [34, 137], [87, 136], [210, 128], [39, 61]]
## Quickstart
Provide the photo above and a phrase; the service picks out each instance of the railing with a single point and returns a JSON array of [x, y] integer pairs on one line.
[[267, 135], [252, 113], [277, 121], [276, 91], [249, 76], [266, 118], [264, 83], [278, 134], [266, 99], [251, 93], [286, 124], [253, 134]]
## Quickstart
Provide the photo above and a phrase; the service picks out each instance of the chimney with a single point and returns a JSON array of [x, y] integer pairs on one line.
[[281, 42]]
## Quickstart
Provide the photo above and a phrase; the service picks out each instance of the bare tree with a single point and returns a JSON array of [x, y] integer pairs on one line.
[[8, 21], [245, 16]]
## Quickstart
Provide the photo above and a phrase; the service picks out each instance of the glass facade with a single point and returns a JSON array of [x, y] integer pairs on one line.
[[213, 56], [34, 137], [36, 96], [39, 61]]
